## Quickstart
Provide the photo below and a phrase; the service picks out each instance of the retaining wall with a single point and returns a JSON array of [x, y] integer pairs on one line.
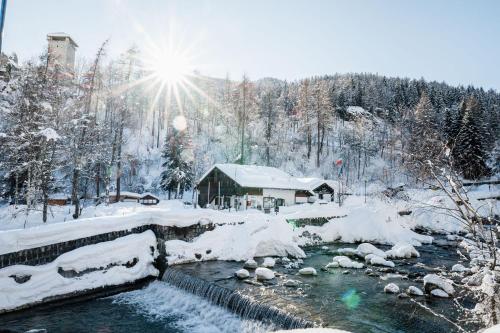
[[45, 254]]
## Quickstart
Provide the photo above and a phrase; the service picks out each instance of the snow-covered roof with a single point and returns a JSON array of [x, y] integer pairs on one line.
[[149, 194], [127, 194], [311, 182], [258, 176], [62, 35]]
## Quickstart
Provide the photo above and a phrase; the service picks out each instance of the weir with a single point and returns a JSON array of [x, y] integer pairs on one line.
[[235, 301]]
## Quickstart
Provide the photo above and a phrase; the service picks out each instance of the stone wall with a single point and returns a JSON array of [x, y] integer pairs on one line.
[[45, 254]]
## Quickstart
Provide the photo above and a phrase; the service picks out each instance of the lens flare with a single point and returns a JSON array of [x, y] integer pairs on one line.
[[180, 123], [351, 299]]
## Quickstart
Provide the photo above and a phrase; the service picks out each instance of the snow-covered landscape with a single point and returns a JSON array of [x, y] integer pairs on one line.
[[240, 170]]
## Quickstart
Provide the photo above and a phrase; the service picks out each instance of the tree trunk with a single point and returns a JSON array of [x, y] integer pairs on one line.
[[74, 192]]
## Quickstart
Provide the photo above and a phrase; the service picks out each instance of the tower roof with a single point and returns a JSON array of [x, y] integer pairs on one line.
[[62, 35]]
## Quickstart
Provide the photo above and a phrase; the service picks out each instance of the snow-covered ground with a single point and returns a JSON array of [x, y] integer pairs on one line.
[[104, 264], [376, 220]]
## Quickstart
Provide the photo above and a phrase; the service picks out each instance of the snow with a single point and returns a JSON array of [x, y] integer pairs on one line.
[[373, 259], [375, 222], [439, 293], [49, 134], [493, 329], [238, 242], [431, 280], [344, 262], [402, 250], [412, 290], [391, 288], [242, 273], [45, 280], [308, 271], [269, 262], [367, 248], [458, 268], [262, 273], [99, 220]]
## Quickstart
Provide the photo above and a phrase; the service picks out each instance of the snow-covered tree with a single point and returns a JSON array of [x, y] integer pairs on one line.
[[178, 167]]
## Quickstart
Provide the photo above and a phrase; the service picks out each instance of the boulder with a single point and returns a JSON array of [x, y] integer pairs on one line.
[[345, 262], [391, 288], [242, 273], [439, 293], [252, 264], [367, 248], [269, 262], [412, 290], [402, 250], [458, 268], [433, 281], [307, 271], [291, 283], [373, 259], [263, 273]]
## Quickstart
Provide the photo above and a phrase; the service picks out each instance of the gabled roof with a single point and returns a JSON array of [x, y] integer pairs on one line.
[[258, 176], [312, 183], [62, 35]]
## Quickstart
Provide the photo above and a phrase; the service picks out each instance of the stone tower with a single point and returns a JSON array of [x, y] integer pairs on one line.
[[62, 50]]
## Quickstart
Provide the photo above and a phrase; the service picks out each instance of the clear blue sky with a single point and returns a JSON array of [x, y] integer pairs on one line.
[[453, 41]]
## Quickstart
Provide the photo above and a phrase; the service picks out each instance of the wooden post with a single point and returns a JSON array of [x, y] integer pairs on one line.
[[218, 195], [208, 200]]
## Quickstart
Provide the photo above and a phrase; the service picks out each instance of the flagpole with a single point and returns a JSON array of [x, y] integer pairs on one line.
[[2, 21]]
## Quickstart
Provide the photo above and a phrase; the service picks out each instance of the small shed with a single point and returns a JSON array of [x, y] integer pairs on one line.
[[149, 199], [124, 197], [59, 199], [322, 188]]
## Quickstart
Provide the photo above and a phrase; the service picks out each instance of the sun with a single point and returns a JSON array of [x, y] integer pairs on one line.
[[170, 67]]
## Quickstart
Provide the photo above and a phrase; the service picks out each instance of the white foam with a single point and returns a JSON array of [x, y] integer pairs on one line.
[[162, 302]]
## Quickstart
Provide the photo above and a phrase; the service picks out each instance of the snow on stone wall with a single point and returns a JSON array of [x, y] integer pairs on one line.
[[117, 262]]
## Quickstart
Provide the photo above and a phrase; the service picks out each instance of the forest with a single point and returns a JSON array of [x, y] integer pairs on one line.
[[110, 126]]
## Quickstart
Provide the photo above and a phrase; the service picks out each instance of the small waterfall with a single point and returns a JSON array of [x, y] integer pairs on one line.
[[232, 300]]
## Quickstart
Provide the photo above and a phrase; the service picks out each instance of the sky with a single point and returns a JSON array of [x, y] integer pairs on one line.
[[452, 41]]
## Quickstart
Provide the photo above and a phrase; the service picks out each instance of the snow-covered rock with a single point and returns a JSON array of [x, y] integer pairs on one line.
[[307, 271], [412, 290], [402, 250], [345, 262], [123, 260], [373, 259], [433, 281], [263, 273], [269, 262], [439, 293], [242, 273], [347, 251], [291, 283], [250, 263], [367, 248], [458, 268], [318, 330], [391, 288]]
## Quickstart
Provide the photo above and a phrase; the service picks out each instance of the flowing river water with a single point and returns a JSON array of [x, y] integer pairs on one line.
[[204, 297]]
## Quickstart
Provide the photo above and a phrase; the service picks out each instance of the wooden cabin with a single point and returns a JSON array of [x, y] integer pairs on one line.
[[240, 186], [149, 199], [124, 197], [59, 199], [322, 189]]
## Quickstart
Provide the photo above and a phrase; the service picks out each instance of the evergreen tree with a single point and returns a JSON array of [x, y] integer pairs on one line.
[[178, 174], [469, 152]]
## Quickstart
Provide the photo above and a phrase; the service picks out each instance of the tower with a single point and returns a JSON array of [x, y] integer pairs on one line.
[[62, 51]]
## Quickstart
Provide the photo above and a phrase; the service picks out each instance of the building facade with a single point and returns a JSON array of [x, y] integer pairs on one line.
[[61, 51]]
